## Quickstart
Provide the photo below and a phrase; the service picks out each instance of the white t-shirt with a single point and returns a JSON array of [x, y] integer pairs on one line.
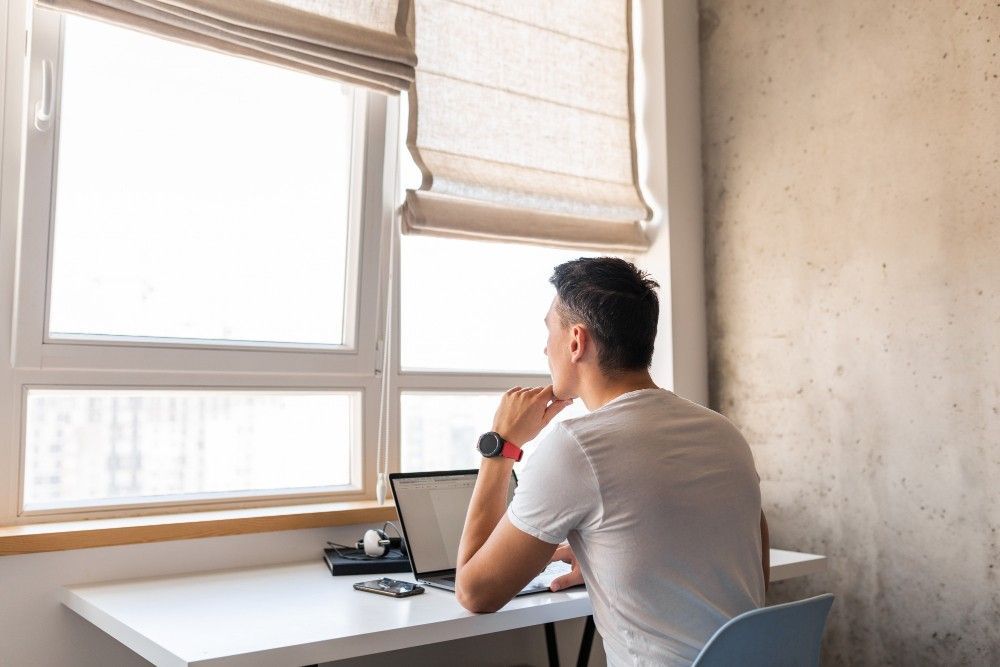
[[660, 500]]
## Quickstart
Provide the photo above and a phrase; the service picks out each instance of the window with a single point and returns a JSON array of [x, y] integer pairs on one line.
[[439, 430], [218, 205], [122, 446], [198, 286], [472, 316], [491, 320], [197, 280]]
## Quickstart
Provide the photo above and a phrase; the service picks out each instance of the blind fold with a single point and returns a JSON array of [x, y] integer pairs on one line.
[[362, 42], [453, 217], [521, 121]]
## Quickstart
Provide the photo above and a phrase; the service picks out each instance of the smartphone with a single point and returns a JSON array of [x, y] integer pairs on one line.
[[391, 587]]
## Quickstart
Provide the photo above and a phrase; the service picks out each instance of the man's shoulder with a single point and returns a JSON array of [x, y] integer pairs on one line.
[[655, 411]]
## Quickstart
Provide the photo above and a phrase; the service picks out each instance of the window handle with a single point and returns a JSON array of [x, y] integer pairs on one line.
[[43, 107]]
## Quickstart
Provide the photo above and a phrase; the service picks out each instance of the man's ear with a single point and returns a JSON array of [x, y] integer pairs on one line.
[[579, 341]]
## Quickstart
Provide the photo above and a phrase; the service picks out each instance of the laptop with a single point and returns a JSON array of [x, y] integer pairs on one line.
[[432, 508]]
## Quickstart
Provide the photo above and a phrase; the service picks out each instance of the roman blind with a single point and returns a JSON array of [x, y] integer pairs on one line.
[[521, 122], [362, 42]]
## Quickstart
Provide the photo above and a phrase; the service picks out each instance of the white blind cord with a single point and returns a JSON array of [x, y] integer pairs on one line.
[[382, 458]]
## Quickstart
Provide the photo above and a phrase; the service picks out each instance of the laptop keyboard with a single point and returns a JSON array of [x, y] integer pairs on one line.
[[543, 579], [553, 571]]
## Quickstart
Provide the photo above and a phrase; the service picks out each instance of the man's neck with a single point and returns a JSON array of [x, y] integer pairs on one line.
[[603, 390]]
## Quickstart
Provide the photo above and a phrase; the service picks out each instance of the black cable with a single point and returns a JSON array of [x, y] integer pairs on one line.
[[355, 556], [337, 547]]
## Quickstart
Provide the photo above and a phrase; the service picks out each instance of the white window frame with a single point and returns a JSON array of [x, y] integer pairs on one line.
[[29, 35], [33, 348]]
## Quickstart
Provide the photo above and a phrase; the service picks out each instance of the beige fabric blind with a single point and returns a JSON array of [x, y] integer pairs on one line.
[[521, 121], [362, 42]]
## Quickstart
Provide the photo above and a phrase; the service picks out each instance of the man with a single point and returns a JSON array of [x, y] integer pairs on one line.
[[658, 496]]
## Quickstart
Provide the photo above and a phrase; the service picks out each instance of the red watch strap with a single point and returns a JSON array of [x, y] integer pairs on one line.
[[511, 451]]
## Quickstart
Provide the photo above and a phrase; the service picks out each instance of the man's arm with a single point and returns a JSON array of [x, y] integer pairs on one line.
[[508, 560], [496, 559], [487, 506], [765, 551]]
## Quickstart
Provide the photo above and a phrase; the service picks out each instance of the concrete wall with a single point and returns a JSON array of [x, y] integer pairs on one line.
[[853, 254]]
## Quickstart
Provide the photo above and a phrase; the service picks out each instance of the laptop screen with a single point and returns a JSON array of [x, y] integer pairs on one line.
[[432, 508]]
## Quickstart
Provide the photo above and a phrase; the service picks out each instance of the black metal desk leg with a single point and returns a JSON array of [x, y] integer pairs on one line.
[[550, 643], [586, 642]]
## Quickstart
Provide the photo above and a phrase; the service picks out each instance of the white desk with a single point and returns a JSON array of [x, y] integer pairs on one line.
[[298, 614]]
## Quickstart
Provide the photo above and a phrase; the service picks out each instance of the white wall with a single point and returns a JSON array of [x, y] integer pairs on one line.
[[668, 117]]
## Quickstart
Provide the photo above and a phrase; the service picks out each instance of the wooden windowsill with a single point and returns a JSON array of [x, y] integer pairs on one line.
[[39, 537]]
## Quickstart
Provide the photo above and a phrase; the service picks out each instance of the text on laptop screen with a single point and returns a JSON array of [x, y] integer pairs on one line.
[[433, 510]]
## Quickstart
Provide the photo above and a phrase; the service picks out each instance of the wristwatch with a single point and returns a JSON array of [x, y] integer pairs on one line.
[[492, 444]]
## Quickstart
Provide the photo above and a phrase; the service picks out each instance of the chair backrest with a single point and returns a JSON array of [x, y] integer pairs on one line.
[[782, 635]]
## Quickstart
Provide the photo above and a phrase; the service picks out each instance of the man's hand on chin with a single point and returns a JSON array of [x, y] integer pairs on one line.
[[523, 413]]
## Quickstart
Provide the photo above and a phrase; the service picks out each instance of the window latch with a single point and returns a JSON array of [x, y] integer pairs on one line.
[[44, 106]]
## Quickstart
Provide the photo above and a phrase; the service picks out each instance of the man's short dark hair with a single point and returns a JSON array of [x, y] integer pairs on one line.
[[616, 302]]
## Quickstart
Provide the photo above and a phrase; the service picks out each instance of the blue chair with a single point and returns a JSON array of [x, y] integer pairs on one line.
[[779, 636]]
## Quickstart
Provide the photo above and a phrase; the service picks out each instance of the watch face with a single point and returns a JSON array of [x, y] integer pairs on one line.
[[490, 444]]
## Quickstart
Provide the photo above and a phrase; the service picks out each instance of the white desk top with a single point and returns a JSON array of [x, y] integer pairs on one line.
[[300, 614]]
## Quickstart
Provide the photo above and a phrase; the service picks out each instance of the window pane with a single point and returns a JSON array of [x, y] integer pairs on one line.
[[199, 195], [87, 446], [440, 431], [475, 306]]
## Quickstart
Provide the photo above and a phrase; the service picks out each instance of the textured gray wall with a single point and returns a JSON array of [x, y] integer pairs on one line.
[[853, 248]]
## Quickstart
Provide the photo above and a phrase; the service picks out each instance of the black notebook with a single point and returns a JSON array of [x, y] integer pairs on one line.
[[354, 561]]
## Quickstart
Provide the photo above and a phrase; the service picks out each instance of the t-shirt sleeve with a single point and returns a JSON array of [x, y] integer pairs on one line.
[[557, 491]]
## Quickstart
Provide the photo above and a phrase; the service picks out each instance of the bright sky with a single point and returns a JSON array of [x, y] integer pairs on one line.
[[199, 195]]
